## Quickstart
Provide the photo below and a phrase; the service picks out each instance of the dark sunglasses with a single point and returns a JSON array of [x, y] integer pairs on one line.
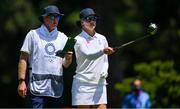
[[91, 18], [53, 17]]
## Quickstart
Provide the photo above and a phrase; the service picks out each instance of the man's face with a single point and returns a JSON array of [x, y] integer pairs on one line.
[[89, 23], [51, 21], [136, 86]]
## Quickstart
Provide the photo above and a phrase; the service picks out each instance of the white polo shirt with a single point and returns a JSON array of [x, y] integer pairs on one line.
[[92, 63]]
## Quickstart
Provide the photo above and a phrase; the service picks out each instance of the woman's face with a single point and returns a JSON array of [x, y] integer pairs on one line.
[[89, 23]]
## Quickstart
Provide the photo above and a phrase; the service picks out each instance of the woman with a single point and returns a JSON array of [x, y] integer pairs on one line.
[[91, 49]]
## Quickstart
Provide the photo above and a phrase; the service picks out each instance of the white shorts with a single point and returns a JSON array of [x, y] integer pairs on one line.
[[88, 94]]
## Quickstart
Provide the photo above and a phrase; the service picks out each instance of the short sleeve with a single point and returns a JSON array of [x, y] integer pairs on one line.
[[27, 44]]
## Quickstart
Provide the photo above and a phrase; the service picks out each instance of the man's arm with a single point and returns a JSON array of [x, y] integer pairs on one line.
[[125, 103], [148, 103], [22, 66]]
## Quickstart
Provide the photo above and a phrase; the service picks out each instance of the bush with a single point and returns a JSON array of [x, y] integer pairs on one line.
[[160, 80]]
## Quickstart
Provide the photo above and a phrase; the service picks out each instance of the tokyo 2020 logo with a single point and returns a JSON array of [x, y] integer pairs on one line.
[[50, 48]]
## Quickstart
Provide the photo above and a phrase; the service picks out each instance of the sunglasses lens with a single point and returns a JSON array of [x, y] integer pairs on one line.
[[91, 18], [53, 17]]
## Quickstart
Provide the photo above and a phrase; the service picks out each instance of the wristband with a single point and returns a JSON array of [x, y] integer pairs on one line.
[[21, 80]]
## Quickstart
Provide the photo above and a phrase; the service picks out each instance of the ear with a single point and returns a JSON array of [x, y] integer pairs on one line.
[[82, 22]]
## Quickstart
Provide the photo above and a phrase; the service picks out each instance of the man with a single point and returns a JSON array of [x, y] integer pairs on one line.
[[45, 84], [91, 50], [137, 98]]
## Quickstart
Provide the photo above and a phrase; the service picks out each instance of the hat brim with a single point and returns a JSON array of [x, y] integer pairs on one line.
[[91, 15], [44, 15]]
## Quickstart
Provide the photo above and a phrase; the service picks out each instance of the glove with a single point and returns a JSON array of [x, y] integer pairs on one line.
[[104, 75]]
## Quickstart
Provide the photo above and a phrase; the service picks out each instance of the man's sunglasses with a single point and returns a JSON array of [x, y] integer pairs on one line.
[[91, 18], [53, 17]]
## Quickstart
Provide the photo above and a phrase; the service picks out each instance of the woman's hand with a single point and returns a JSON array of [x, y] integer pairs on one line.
[[108, 50]]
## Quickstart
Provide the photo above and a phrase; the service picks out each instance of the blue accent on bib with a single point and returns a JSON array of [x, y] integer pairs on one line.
[[50, 48]]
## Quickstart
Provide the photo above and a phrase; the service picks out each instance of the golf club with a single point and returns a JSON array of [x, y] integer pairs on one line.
[[152, 29]]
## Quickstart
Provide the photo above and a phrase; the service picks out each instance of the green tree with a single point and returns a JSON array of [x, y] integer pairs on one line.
[[159, 79], [121, 21]]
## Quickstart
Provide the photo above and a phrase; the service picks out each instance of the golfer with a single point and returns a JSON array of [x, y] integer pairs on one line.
[[91, 50]]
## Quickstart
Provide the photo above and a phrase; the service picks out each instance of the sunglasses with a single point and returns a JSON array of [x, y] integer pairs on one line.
[[53, 17], [91, 18]]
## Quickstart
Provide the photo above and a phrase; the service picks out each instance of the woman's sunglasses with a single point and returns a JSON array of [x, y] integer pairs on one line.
[[91, 18]]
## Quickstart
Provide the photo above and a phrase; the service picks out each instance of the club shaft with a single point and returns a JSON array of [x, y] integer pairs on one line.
[[133, 41]]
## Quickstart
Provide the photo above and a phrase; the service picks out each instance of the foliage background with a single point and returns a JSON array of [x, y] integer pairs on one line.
[[155, 60]]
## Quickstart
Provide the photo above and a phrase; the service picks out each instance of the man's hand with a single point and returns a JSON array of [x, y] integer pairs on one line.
[[67, 59], [108, 50], [22, 89]]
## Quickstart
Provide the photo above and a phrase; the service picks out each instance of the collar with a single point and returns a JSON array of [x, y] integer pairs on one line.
[[46, 34], [46, 31], [87, 36], [137, 93]]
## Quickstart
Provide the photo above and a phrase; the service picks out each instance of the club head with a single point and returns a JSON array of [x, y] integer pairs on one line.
[[152, 29]]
